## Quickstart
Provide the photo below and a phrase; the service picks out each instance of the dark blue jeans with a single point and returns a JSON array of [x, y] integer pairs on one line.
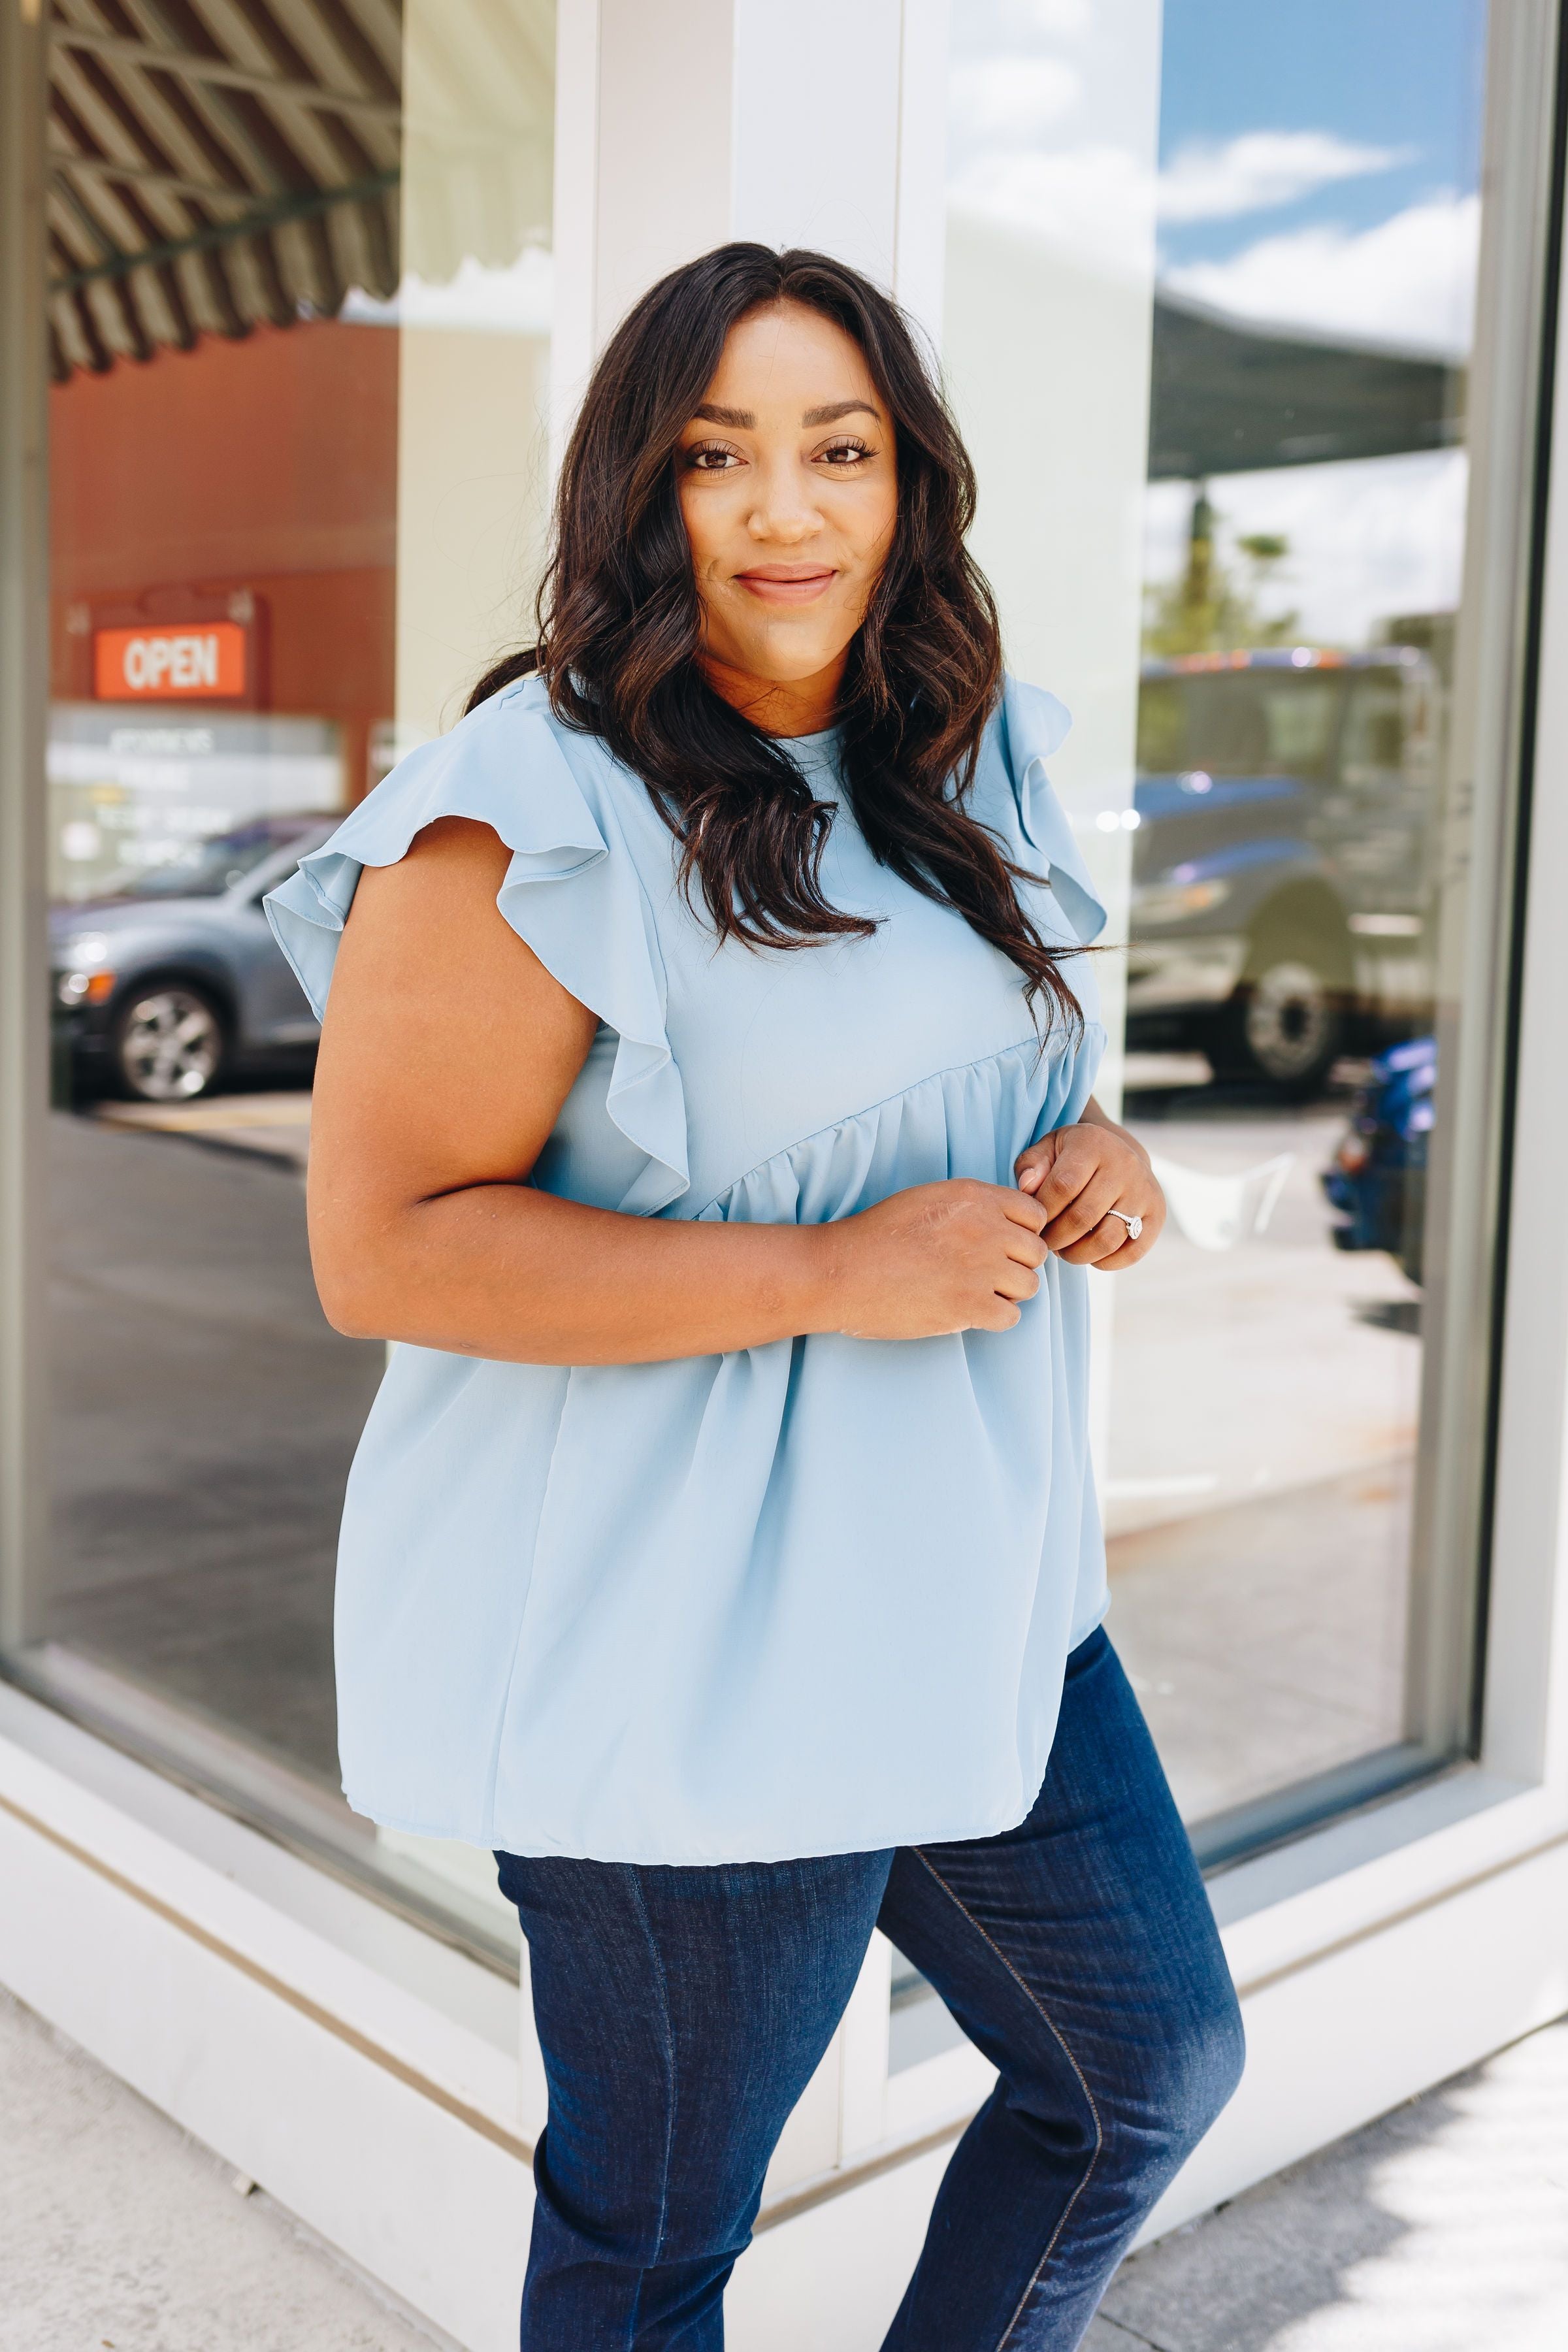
[[682, 2012]]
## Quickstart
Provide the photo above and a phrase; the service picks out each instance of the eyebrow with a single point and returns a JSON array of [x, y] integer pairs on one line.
[[836, 409], [743, 419]]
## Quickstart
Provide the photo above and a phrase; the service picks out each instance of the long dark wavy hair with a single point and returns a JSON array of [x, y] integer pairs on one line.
[[620, 623]]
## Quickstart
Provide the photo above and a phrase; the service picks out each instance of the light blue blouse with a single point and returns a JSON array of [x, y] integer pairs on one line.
[[804, 1599]]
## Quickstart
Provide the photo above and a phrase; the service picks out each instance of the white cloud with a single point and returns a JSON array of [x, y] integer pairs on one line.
[[1369, 538], [1095, 202], [1011, 98], [1261, 168], [515, 300], [1410, 279], [1052, 123]]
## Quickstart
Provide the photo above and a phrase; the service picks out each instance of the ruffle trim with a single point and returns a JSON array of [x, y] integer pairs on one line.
[[579, 904], [1036, 726], [580, 908]]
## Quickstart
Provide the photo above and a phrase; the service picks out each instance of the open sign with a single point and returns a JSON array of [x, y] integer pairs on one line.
[[169, 663]]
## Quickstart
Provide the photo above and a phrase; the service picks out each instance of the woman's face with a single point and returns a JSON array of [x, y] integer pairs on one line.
[[789, 495]]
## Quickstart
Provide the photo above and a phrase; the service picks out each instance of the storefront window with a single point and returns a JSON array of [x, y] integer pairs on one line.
[[1211, 281], [1254, 496], [300, 315]]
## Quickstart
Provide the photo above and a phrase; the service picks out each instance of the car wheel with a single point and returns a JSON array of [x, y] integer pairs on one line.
[[168, 1044], [1285, 1023]]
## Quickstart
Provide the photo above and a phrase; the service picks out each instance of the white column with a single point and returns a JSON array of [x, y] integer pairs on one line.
[[474, 344], [817, 94], [707, 119], [666, 103]]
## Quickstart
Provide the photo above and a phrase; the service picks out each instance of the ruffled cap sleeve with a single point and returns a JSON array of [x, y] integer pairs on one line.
[[571, 892], [1037, 725]]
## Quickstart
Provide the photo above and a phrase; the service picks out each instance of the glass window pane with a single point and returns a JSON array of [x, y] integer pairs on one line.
[[298, 472], [1212, 278], [1212, 273]]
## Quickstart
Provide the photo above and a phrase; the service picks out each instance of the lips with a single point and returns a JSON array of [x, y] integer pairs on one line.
[[786, 583]]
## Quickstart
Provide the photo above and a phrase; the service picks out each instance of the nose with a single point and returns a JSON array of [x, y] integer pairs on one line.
[[784, 512]]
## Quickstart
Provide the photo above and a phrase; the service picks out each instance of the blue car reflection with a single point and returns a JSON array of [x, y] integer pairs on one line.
[[1377, 1178]]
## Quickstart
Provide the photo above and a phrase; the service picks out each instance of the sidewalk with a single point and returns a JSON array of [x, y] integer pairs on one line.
[[118, 2233], [1442, 2229]]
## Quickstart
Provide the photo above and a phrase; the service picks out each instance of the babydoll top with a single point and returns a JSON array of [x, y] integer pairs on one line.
[[808, 1597]]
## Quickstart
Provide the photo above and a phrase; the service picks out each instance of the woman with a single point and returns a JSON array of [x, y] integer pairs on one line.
[[704, 1109]]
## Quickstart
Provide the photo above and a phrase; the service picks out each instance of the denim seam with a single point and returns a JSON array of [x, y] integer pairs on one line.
[[656, 1958], [1054, 2030]]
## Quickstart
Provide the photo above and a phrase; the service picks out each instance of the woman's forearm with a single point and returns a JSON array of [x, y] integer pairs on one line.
[[446, 1054], [507, 1272], [502, 1271]]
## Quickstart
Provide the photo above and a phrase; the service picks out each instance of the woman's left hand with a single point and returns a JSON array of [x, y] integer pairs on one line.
[[1079, 1174]]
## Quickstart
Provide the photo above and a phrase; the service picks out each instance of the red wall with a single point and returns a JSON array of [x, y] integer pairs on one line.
[[267, 466]]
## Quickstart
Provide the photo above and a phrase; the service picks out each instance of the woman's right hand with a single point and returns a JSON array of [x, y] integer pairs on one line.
[[940, 1257]]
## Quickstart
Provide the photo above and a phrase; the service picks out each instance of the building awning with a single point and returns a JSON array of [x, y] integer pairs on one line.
[[201, 185], [1230, 396]]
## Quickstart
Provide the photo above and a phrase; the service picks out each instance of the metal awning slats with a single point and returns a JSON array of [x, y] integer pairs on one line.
[[219, 74], [219, 164], [275, 214], [214, 169], [106, 168]]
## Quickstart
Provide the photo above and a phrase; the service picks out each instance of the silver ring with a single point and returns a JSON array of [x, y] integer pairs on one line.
[[1134, 1224]]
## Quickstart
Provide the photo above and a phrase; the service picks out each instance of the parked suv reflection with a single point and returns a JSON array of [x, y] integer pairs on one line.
[[176, 983], [1281, 860]]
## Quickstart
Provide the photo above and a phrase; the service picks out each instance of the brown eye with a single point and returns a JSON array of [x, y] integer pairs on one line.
[[706, 459], [846, 453]]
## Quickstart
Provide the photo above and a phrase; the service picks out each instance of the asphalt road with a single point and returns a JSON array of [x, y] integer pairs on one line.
[[205, 1415]]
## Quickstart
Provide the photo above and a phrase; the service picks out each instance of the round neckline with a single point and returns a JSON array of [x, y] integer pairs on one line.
[[820, 747]]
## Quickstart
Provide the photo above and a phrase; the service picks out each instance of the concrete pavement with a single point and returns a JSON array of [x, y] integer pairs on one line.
[[1442, 2229], [119, 2233]]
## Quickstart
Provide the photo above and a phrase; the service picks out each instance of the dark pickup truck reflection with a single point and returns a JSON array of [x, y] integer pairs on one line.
[[1282, 862]]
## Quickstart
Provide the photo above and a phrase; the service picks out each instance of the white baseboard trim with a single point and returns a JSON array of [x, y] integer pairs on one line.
[[382, 2162]]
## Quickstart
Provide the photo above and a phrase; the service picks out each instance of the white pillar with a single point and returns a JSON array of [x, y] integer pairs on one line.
[[683, 124], [474, 361]]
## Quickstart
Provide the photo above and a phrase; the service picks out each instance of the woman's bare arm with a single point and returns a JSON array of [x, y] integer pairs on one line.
[[446, 1052]]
